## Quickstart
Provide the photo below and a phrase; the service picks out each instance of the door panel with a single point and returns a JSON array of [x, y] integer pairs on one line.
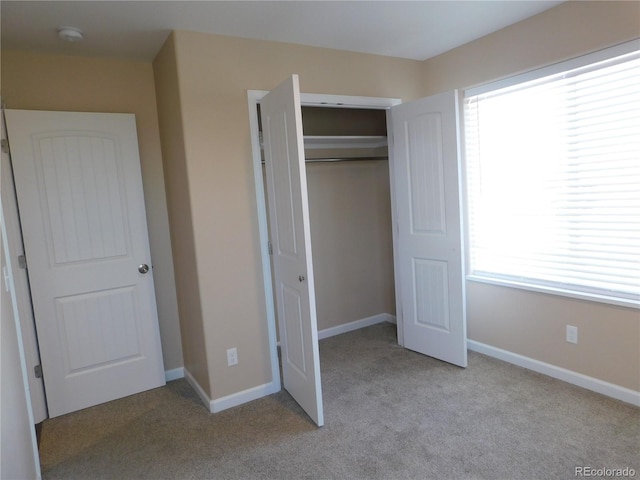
[[105, 318], [291, 239], [430, 289], [80, 195], [87, 214], [424, 145], [429, 250]]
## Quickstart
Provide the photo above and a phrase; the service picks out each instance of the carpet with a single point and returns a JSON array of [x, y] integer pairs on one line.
[[389, 414]]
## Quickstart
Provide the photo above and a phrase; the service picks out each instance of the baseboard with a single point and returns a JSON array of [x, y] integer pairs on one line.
[[235, 399], [569, 376], [391, 318], [199, 390], [356, 325], [173, 374]]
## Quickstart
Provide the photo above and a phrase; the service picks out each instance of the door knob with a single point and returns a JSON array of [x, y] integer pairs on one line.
[[143, 268]]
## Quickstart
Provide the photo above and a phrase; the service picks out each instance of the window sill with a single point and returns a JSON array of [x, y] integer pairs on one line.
[[592, 297]]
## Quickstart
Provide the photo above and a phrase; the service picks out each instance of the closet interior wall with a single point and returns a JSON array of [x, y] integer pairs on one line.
[[350, 216]]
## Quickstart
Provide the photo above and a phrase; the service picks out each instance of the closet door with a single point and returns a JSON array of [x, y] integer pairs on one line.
[[291, 239], [429, 268]]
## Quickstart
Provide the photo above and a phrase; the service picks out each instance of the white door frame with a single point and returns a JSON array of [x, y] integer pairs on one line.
[[23, 294], [307, 99], [8, 283]]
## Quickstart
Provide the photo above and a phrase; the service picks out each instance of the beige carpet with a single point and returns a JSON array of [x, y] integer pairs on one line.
[[389, 413]]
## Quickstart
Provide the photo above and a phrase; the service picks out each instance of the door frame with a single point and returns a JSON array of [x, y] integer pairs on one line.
[[10, 284], [316, 100], [15, 247]]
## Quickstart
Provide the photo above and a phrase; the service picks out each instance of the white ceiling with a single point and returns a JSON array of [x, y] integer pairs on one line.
[[137, 29]]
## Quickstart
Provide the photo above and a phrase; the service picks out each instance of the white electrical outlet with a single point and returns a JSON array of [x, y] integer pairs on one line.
[[232, 356], [572, 334]]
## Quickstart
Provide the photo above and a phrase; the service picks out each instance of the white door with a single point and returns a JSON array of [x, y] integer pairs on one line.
[[426, 192], [291, 239], [82, 211]]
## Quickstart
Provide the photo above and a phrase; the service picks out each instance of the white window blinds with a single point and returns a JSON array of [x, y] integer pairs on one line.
[[553, 180]]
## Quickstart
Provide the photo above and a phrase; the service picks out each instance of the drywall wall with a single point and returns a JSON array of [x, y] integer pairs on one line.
[[350, 216], [528, 323], [213, 76], [180, 217], [566, 31], [56, 82]]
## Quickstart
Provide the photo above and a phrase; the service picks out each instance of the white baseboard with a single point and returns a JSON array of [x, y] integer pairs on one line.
[[199, 390], [173, 374], [355, 325], [244, 396], [569, 376], [391, 319], [233, 400]]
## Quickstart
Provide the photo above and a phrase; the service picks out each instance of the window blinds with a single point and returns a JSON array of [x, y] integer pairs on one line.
[[553, 180]]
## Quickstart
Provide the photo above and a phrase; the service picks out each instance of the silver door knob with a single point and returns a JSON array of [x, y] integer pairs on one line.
[[301, 278], [143, 268]]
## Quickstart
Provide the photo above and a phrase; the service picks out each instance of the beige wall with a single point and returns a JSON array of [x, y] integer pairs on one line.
[[179, 201], [350, 216], [56, 82], [569, 30], [533, 324], [214, 74]]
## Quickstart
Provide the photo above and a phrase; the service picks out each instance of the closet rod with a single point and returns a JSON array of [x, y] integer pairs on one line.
[[341, 159]]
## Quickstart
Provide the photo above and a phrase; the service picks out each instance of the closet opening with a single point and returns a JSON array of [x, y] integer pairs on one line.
[[349, 193], [348, 187]]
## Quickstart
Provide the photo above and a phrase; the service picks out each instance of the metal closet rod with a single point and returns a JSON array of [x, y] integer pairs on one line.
[[342, 159]]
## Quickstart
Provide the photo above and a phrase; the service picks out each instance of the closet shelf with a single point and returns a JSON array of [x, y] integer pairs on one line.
[[314, 142], [345, 159], [344, 141], [342, 159]]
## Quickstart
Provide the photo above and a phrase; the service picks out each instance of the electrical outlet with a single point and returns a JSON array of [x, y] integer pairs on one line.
[[572, 334], [232, 356]]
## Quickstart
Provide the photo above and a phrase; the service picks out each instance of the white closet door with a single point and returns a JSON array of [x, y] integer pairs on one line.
[[291, 239], [85, 233], [429, 263]]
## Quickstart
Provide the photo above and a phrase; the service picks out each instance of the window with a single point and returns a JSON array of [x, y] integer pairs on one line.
[[553, 178]]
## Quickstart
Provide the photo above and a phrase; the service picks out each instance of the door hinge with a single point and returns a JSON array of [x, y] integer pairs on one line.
[[4, 144], [37, 371], [270, 247], [22, 262]]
